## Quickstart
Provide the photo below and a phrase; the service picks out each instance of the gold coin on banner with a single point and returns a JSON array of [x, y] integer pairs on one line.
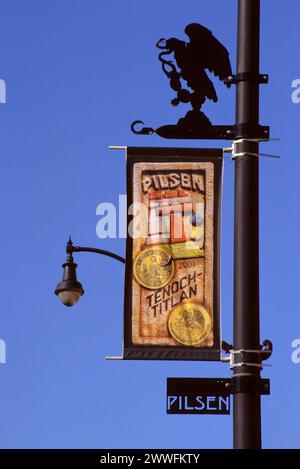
[[153, 268], [190, 324]]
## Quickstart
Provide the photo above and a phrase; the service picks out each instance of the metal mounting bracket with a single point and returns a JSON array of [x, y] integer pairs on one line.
[[250, 384], [263, 79], [247, 357], [210, 132]]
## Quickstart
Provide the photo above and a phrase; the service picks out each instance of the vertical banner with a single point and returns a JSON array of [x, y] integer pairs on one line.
[[172, 297]]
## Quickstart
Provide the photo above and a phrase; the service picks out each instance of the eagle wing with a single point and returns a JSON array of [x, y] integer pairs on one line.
[[207, 51]]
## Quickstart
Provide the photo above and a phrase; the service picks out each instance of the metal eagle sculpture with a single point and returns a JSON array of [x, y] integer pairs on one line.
[[193, 59]]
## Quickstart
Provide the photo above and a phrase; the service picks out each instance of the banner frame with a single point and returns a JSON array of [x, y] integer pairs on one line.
[[152, 352]]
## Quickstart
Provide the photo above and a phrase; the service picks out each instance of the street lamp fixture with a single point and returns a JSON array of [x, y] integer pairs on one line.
[[69, 290]]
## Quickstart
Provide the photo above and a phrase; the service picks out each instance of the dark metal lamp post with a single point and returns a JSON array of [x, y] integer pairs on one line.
[[69, 290]]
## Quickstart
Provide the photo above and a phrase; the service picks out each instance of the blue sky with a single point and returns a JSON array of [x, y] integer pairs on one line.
[[77, 74]]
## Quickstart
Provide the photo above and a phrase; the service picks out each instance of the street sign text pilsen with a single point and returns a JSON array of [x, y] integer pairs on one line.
[[198, 396]]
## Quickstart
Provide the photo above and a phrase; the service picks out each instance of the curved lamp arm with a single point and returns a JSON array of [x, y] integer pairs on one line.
[[97, 251], [70, 249]]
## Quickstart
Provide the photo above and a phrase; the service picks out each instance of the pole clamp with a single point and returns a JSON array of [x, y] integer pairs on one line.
[[247, 130], [262, 79], [240, 358], [248, 357], [250, 384]]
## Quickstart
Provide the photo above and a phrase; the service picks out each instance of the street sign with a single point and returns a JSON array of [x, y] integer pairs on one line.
[[198, 396]]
